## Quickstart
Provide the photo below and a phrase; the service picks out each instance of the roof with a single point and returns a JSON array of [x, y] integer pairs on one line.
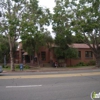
[[74, 45], [80, 45]]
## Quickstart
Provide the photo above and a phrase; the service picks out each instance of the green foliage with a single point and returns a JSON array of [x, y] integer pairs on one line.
[[48, 40], [87, 23], [78, 38], [62, 17], [24, 17], [7, 66], [71, 53], [32, 27], [17, 66], [81, 64], [10, 25], [4, 48], [91, 63], [39, 41], [27, 67], [59, 52], [82, 19], [16, 1], [24, 66], [63, 53], [28, 43], [62, 27]]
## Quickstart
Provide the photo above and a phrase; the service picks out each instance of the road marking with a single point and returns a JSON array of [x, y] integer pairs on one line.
[[23, 86], [50, 76], [50, 72]]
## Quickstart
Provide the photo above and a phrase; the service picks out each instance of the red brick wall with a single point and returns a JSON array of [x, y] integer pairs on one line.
[[50, 56], [82, 59]]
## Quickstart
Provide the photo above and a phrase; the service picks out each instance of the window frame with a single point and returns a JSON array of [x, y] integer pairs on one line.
[[43, 55], [88, 54], [79, 54]]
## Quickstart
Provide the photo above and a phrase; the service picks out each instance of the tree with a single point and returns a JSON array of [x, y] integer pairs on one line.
[[49, 42], [71, 53], [28, 44], [86, 23], [32, 26], [48, 39], [4, 49], [10, 24], [32, 44], [77, 39], [63, 14], [39, 41]]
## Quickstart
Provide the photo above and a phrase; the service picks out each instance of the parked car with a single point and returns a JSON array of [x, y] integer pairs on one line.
[[1, 70]]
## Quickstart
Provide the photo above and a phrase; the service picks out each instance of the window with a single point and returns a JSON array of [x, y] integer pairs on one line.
[[35, 59], [88, 54], [79, 54], [43, 56]]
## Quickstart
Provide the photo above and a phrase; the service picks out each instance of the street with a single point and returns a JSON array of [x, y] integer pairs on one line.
[[50, 86]]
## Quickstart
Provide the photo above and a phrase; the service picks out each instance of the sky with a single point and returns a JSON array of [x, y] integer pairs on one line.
[[48, 4]]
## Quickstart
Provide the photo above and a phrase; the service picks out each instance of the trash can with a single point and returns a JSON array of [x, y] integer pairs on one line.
[[21, 67]]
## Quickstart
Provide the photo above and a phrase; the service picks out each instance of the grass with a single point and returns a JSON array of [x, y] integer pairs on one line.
[[79, 66], [35, 68], [16, 69]]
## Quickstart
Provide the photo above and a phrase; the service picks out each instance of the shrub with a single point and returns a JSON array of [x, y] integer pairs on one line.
[[17, 66], [5, 66], [81, 64], [92, 62], [27, 66]]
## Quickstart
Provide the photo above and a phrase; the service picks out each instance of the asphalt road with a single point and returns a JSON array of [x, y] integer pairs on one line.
[[48, 72], [53, 88]]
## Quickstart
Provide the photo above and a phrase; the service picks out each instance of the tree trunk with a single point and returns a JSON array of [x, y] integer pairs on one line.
[[97, 56], [49, 58], [10, 40], [11, 57], [98, 62], [4, 60], [70, 62], [12, 61], [38, 60], [31, 60]]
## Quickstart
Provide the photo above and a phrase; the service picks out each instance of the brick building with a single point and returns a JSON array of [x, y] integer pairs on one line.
[[85, 54], [46, 56]]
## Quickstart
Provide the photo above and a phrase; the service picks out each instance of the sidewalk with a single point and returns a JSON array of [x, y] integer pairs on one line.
[[51, 69]]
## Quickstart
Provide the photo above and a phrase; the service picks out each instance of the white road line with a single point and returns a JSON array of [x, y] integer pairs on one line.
[[23, 86], [50, 72]]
